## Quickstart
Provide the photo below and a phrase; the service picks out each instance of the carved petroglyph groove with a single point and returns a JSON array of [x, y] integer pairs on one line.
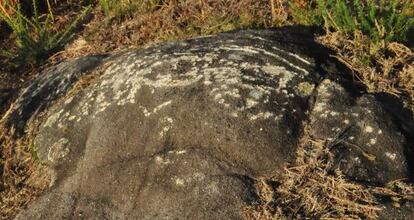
[[121, 83]]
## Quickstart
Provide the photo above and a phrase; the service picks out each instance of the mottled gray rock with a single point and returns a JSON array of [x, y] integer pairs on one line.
[[405, 211], [53, 83], [370, 146], [178, 131]]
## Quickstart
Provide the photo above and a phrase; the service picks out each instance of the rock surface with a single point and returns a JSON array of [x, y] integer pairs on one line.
[[52, 84], [178, 131], [371, 147]]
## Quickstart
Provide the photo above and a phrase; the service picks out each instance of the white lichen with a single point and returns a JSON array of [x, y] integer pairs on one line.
[[368, 129], [158, 108], [162, 161], [250, 103], [391, 156], [58, 150], [122, 81], [179, 182], [319, 107], [261, 115], [53, 119]]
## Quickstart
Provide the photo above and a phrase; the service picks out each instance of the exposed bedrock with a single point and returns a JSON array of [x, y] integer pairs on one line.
[[180, 130]]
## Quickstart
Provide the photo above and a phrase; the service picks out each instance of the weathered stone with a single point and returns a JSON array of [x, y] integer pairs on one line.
[[179, 130], [53, 83], [370, 146], [404, 211]]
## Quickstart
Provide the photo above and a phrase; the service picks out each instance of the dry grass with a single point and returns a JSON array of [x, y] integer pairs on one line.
[[174, 20], [22, 177], [391, 69], [310, 189]]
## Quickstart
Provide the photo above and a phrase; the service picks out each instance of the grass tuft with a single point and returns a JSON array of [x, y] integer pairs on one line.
[[117, 8], [383, 21], [368, 36], [22, 179], [36, 37]]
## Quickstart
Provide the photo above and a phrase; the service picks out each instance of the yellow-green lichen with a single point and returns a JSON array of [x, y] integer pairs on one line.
[[305, 89]]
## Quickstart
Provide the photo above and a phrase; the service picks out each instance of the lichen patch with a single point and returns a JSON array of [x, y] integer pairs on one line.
[[261, 115], [179, 181], [162, 161], [53, 119], [167, 124], [391, 156], [156, 109], [58, 150], [368, 129], [305, 89]]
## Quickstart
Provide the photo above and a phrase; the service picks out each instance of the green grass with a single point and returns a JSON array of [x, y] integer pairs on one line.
[[35, 37], [119, 9], [382, 20]]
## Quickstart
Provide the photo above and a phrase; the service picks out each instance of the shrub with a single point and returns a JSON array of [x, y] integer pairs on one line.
[[35, 37], [382, 20]]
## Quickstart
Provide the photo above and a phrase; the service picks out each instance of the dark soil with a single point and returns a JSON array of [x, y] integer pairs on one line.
[[9, 89]]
